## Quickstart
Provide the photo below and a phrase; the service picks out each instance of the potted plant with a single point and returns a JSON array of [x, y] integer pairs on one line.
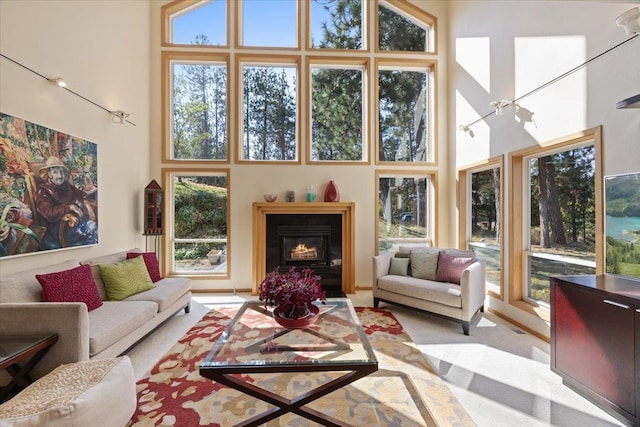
[[292, 294]]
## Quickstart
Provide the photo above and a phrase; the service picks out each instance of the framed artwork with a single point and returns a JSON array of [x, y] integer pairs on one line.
[[48, 189]]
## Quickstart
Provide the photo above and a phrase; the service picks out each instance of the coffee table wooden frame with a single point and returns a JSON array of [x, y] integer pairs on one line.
[[223, 374]]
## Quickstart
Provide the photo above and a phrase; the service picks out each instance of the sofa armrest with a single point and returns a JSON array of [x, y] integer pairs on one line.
[[381, 264], [473, 284], [69, 320]]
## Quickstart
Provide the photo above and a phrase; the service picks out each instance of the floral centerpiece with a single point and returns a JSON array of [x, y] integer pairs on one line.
[[292, 293]]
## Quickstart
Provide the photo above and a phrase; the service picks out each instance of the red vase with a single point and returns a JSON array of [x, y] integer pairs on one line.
[[301, 323], [331, 193]]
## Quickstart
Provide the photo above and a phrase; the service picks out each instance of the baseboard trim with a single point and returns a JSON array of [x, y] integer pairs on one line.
[[518, 324]]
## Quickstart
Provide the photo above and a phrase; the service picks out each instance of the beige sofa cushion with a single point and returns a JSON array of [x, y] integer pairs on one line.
[[166, 291], [115, 319], [97, 392], [428, 290], [24, 287]]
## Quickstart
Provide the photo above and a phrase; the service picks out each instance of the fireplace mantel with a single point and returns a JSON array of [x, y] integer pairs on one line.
[[346, 209]]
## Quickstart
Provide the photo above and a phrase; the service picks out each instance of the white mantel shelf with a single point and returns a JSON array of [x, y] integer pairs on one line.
[[346, 209]]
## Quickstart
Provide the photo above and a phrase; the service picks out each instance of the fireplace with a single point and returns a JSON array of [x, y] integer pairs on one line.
[[306, 241], [316, 235]]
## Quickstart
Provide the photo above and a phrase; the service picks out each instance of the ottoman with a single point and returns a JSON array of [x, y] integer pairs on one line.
[[94, 392]]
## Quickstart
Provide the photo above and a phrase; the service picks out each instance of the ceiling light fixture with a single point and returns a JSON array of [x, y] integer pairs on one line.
[[58, 81], [630, 21], [118, 116]]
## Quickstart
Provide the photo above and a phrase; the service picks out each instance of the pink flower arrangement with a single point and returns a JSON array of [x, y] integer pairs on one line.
[[293, 291]]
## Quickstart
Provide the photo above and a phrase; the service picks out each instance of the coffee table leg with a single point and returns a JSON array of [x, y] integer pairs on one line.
[[296, 405]]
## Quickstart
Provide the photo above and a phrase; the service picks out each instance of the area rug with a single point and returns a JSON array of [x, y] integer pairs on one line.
[[405, 391]]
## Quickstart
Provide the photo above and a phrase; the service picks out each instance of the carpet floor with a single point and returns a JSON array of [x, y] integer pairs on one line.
[[405, 391]]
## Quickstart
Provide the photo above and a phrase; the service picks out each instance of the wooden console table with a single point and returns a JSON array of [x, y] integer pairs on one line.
[[595, 340]]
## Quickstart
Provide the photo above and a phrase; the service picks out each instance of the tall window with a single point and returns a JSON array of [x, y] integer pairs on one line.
[[337, 113], [561, 229], [269, 112], [404, 114], [199, 113], [188, 24], [481, 217], [405, 210], [276, 20], [403, 27], [199, 218]]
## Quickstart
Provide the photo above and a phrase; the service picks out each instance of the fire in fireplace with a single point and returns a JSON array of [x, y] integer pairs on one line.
[[304, 245]]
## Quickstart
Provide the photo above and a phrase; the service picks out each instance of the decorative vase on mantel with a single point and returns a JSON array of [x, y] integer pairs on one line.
[[299, 323], [331, 193]]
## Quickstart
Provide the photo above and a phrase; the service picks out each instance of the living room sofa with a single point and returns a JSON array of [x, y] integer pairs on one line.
[[447, 282], [104, 332]]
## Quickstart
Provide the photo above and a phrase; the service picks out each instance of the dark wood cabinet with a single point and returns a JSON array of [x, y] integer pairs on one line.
[[595, 340]]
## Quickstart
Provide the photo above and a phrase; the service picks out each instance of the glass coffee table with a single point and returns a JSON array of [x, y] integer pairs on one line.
[[27, 349], [253, 343]]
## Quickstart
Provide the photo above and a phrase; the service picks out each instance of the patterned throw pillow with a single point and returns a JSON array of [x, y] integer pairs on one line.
[[399, 266], [424, 265], [125, 278], [151, 261], [450, 267], [74, 285]]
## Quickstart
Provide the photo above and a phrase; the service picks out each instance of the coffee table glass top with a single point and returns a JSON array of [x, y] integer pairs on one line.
[[11, 345], [253, 341]]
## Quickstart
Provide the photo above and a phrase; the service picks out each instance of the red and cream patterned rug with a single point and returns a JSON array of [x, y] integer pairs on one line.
[[405, 391]]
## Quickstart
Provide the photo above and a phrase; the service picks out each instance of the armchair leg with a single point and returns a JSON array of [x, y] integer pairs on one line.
[[482, 308], [376, 302], [187, 308], [465, 327]]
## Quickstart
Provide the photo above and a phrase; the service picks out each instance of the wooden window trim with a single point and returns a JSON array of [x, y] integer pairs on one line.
[[464, 206], [415, 13], [516, 213], [167, 173], [265, 60], [177, 6], [203, 57], [410, 65], [433, 200]]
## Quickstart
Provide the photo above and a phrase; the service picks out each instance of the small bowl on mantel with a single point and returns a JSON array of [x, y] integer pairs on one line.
[[270, 197]]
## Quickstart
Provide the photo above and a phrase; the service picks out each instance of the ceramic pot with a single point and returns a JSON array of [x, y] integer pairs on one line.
[[301, 323], [331, 193]]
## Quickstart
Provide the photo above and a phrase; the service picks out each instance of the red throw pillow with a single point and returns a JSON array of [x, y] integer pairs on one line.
[[75, 285], [450, 267], [151, 261]]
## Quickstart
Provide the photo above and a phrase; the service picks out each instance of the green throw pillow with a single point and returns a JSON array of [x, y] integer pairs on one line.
[[399, 266], [125, 278], [424, 265]]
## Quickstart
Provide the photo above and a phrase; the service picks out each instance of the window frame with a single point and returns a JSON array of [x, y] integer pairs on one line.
[[169, 238], [339, 63], [465, 187], [183, 6], [431, 199], [167, 102], [386, 64], [518, 226], [265, 60], [413, 14], [239, 28]]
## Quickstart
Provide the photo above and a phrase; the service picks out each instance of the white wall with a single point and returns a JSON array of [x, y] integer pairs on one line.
[[502, 50], [101, 48]]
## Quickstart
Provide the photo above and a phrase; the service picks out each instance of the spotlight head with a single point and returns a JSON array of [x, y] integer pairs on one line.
[[57, 81], [630, 21]]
